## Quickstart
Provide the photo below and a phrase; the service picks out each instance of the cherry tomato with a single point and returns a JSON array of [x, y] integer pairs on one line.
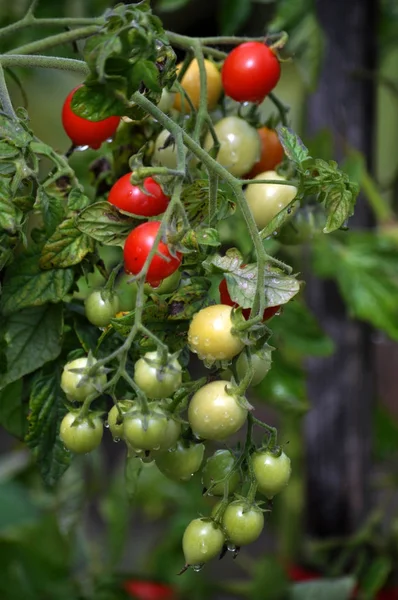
[[171, 434], [164, 156], [191, 84], [261, 364], [145, 432], [126, 290], [166, 100], [114, 421], [239, 145], [157, 380], [272, 152], [137, 247], [250, 72], [214, 414], [101, 306], [202, 541], [242, 522], [271, 471], [83, 132], [210, 335], [83, 436], [217, 467], [226, 299], [141, 589], [181, 461], [266, 200], [132, 199], [76, 385], [167, 286]]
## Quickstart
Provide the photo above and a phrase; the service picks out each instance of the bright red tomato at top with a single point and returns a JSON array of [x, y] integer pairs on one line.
[[250, 72], [134, 200], [226, 299], [83, 132], [138, 245]]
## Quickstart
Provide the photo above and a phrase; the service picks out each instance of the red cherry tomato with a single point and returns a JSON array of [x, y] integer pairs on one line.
[[83, 132], [272, 152], [250, 72], [297, 573], [134, 200], [226, 299], [137, 247], [149, 590]]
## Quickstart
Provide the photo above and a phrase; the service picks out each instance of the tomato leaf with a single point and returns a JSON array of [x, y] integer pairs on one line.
[[195, 200], [18, 135], [10, 215], [46, 412], [66, 247], [293, 146], [232, 15], [77, 200], [12, 410], [33, 337], [52, 209], [325, 589], [200, 237], [364, 265], [306, 43], [25, 284], [104, 223], [376, 576], [188, 300], [133, 468]]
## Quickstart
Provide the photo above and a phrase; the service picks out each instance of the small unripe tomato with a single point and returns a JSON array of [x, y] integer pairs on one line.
[[202, 541], [271, 471], [242, 522], [156, 380], [73, 384], [266, 200], [239, 145], [191, 84], [126, 290], [145, 432], [171, 434], [260, 364], [101, 306], [180, 462], [114, 421], [210, 335], [83, 132], [83, 436], [164, 156], [216, 469], [213, 414], [166, 101]]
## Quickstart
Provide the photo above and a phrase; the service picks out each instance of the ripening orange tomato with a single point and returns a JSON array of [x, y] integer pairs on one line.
[[271, 152]]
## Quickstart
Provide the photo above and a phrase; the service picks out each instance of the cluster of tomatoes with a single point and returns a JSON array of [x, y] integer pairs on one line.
[[159, 429]]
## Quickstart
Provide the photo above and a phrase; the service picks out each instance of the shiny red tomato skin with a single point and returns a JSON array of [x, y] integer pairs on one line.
[[83, 132], [137, 247], [132, 199], [226, 299], [140, 589], [250, 72]]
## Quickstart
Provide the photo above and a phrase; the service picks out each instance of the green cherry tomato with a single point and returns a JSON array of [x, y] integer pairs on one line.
[[202, 541], [240, 145], [243, 522], [145, 432], [76, 385], [272, 472], [126, 290], [166, 101], [210, 334], [156, 380], [82, 437], [171, 435], [266, 200], [166, 286], [114, 421], [164, 156], [180, 462], [214, 414], [101, 307], [261, 365], [217, 467]]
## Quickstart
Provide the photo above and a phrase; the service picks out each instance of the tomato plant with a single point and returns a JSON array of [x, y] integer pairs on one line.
[[145, 431], [156, 378], [272, 471], [148, 201], [266, 200], [272, 152], [190, 83], [250, 72], [219, 474], [202, 541], [243, 522], [81, 435], [181, 461], [210, 334], [226, 299], [77, 383], [101, 306]]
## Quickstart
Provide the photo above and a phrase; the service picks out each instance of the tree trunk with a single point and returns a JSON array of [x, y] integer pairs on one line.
[[338, 428]]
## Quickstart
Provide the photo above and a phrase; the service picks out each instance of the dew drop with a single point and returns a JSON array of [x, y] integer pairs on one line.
[[106, 424], [81, 148], [116, 439], [197, 568], [231, 547]]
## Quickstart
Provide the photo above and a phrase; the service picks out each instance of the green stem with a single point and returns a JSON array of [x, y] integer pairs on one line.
[[379, 205], [47, 62], [282, 109], [29, 21], [5, 96], [202, 110], [55, 40]]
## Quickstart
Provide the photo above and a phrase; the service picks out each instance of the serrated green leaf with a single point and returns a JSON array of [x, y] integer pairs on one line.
[[33, 337], [10, 215], [232, 15], [46, 412], [201, 237], [52, 209], [339, 205], [103, 222], [337, 589], [188, 300], [66, 247], [77, 200], [25, 284], [299, 331], [293, 146], [13, 132], [195, 200], [133, 468], [365, 267], [7, 150], [87, 334], [97, 101], [12, 410]]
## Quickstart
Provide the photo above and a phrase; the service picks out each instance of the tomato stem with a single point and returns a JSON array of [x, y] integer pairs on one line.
[[47, 62], [5, 96]]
